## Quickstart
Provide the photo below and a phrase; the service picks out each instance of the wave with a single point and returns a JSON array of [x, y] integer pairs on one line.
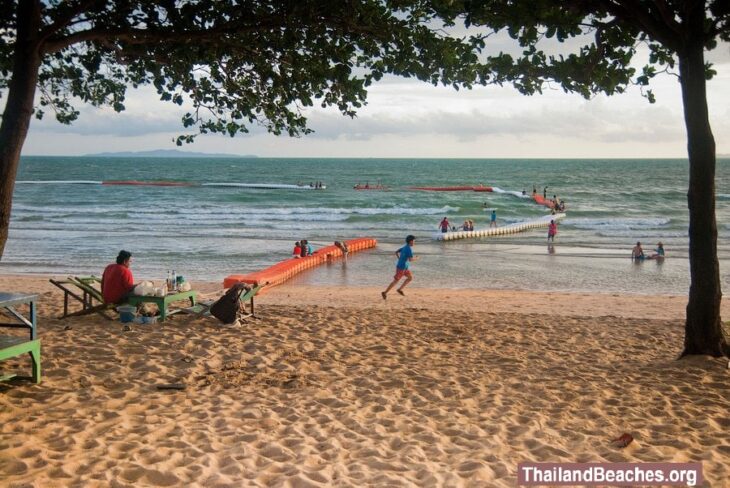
[[241, 211], [644, 234], [617, 224], [518, 194], [31, 218], [723, 196]]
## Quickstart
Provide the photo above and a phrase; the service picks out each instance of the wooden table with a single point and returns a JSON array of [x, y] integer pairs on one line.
[[163, 302], [12, 346]]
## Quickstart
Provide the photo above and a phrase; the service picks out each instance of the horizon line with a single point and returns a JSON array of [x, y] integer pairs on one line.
[[255, 156]]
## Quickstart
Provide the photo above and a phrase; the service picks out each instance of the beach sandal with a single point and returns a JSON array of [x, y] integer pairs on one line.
[[623, 441], [401, 292], [384, 295]]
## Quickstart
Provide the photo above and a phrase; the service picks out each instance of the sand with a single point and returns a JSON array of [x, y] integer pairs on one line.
[[336, 387]]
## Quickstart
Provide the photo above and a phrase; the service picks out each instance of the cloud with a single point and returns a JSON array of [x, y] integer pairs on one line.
[[406, 117]]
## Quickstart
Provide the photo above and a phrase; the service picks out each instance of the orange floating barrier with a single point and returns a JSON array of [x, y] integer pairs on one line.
[[543, 201], [284, 270]]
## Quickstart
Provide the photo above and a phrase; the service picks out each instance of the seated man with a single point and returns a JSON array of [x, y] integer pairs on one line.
[[117, 281], [658, 252]]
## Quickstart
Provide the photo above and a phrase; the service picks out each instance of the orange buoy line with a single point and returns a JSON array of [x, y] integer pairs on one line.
[[285, 270], [543, 201]]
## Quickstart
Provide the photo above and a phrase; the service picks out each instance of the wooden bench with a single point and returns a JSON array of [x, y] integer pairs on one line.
[[203, 308], [84, 290], [13, 346]]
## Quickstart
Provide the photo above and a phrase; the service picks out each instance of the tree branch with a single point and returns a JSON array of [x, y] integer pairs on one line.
[[631, 12], [141, 36], [668, 16], [65, 20]]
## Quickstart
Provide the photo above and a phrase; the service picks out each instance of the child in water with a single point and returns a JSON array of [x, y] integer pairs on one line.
[[658, 252]]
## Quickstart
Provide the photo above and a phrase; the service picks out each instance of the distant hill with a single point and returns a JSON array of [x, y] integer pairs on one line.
[[166, 153]]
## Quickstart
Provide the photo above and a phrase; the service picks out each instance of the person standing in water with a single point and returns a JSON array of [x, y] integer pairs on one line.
[[402, 268], [637, 253], [552, 230], [444, 225], [493, 219]]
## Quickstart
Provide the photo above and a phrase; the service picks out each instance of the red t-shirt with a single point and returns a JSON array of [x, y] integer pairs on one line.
[[116, 282]]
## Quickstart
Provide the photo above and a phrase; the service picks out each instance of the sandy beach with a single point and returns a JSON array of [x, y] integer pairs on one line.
[[337, 387]]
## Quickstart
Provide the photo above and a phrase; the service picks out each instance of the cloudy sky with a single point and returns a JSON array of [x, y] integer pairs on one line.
[[405, 118]]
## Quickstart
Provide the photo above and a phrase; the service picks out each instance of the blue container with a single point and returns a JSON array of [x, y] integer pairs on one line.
[[126, 313]]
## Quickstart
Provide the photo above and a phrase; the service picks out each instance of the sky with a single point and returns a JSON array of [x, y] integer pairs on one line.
[[410, 119]]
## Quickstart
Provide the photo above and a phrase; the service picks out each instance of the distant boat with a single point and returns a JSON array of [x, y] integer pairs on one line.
[[367, 186]]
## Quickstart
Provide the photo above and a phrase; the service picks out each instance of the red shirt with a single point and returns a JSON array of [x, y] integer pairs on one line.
[[116, 282]]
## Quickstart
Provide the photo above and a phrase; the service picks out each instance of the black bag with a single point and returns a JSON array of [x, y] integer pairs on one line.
[[228, 306]]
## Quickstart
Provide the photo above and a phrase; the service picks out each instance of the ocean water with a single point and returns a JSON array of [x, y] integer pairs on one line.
[[65, 222]]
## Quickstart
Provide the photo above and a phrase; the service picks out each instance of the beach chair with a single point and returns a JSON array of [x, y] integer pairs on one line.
[[84, 290], [202, 308]]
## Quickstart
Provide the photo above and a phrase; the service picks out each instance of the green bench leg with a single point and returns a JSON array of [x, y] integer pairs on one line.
[[35, 357]]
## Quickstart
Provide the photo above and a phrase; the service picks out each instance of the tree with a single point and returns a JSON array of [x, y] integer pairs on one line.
[[238, 62], [258, 62], [675, 32]]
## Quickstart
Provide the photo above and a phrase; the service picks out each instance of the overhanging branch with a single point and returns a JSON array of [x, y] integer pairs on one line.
[[633, 13]]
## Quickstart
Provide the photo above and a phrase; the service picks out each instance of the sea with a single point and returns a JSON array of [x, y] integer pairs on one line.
[[65, 222]]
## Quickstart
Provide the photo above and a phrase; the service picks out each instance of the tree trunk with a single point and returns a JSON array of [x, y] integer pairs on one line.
[[19, 106], [703, 327]]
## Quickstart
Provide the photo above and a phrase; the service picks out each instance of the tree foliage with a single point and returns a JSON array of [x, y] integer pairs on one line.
[[609, 35], [237, 62]]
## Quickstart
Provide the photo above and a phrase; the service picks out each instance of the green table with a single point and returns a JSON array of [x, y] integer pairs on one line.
[[9, 301], [163, 302]]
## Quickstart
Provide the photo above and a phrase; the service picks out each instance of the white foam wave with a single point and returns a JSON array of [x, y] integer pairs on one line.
[[245, 211], [617, 224], [518, 194]]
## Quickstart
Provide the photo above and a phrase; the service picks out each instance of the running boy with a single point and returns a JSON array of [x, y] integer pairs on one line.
[[405, 256]]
